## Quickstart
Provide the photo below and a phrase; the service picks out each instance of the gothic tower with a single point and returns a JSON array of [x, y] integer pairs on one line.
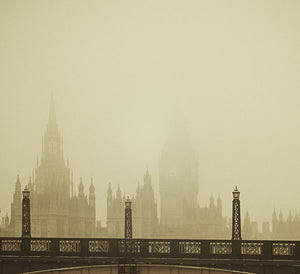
[[145, 222], [50, 206], [178, 182], [55, 210]]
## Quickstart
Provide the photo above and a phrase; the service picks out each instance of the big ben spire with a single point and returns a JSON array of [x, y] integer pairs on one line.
[[178, 182], [52, 115]]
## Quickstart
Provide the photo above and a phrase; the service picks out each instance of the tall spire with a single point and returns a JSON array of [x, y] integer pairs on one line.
[[81, 188], [52, 141], [18, 184], [211, 200], [52, 115], [147, 178]]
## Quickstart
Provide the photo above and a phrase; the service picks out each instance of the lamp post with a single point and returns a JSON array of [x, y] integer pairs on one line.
[[26, 228], [236, 216], [128, 219]]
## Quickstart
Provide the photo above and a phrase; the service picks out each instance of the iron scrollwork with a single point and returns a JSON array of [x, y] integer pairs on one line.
[[252, 248], [190, 247], [98, 246], [40, 245], [129, 246], [286, 249], [69, 246], [220, 248], [159, 247], [11, 245]]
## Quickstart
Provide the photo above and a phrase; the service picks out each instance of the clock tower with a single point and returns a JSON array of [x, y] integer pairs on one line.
[[178, 182]]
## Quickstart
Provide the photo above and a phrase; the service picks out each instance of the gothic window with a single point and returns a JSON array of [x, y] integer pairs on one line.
[[52, 147]]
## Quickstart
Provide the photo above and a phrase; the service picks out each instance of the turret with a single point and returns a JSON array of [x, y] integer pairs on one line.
[[118, 193], [211, 201], [92, 194], [147, 179], [18, 185], [30, 185], [274, 222], [280, 216], [80, 188], [219, 205]]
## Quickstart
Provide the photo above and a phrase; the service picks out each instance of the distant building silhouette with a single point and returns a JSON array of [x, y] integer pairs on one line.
[[144, 211], [144, 208], [115, 213], [55, 210], [180, 214], [288, 229]]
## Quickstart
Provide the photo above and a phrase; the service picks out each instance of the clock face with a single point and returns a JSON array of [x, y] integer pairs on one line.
[[172, 174]]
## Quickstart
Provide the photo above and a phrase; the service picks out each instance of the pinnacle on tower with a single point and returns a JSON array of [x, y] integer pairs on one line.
[[30, 184], [118, 193], [280, 216], [92, 188], [80, 188], [211, 200], [147, 178], [18, 184], [52, 115]]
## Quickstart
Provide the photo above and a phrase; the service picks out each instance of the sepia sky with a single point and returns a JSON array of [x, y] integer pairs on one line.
[[118, 69]]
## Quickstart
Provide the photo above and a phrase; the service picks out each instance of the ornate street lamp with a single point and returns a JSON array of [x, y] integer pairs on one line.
[[236, 215], [128, 219], [26, 229]]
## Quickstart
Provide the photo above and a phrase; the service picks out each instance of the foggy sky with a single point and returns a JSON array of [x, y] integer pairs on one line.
[[118, 69]]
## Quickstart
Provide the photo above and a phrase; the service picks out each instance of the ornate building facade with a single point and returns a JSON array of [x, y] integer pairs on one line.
[[180, 214], [287, 229], [280, 228], [144, 211], [56, 211]]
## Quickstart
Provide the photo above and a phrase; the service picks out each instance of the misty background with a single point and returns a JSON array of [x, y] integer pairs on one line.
[[118, 69]]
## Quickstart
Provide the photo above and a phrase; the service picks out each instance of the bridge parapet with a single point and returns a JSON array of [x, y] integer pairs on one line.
[[138, 248]]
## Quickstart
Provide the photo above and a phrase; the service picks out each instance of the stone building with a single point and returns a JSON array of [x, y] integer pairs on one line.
[[115, 213], [285, 229], [144, 211], [180, 214], [56, 211]]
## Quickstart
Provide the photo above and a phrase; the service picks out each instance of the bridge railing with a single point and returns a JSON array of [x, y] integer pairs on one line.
[[179, 248]]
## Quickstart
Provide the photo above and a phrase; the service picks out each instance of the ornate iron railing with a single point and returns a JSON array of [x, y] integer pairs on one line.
[[138, 248]]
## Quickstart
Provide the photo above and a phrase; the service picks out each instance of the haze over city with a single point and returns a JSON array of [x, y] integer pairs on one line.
[[119, 70]]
